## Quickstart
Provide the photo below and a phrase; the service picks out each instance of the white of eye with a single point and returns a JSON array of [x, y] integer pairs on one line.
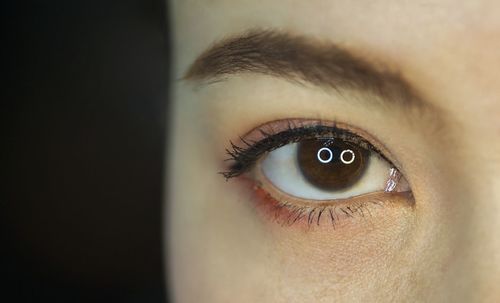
[[281, 168]]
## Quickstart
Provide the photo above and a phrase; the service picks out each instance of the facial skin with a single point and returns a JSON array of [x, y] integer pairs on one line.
[[442, 247]]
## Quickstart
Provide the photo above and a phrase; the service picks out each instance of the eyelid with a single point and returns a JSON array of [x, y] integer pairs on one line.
[[300, 213]]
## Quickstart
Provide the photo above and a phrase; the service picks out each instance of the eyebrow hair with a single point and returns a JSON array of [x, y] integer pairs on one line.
[[295, 57]]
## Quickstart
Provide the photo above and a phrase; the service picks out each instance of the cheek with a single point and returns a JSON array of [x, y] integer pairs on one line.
[[358, 248], [362, 253]]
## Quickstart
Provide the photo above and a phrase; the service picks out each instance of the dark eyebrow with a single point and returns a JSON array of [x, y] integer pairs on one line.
[[295, 57]]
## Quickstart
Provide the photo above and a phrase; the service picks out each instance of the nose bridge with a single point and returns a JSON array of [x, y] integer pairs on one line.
[[479, 260]]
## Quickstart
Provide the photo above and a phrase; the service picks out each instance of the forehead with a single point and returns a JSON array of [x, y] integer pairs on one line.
[[447, 49]]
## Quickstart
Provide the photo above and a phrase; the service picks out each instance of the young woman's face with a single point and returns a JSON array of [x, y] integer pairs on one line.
[[363, 140]]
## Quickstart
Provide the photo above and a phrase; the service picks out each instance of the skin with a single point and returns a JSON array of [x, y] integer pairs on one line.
[[444, 248]]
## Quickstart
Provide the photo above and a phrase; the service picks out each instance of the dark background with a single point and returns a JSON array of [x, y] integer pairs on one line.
[[84, 109]]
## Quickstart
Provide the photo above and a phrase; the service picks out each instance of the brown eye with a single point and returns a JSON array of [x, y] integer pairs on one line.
[[331, 164], [326, 164]]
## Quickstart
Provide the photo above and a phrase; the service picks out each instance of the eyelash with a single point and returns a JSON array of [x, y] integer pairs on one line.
[[244, 158], [288, 214]]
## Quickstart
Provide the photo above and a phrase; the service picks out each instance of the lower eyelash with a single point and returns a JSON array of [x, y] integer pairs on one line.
[[287, 214]]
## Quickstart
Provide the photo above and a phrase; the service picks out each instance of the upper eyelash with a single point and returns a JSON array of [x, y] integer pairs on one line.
[[244, 157]]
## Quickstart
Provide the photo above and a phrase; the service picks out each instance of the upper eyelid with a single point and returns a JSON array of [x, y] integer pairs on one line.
[[245, 157], [376, 84]]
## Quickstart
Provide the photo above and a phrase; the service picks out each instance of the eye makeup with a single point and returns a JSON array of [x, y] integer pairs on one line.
[[276, 134], [330, 158]]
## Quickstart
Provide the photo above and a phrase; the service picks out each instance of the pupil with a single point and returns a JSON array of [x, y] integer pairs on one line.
[[331, 164]]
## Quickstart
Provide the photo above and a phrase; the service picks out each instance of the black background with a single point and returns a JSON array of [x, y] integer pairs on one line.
[[84, 114]]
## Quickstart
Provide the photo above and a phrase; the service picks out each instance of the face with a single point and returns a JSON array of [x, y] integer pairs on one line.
[[334, 151]]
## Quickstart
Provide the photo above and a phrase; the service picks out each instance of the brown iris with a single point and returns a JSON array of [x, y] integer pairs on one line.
[[331, 164]]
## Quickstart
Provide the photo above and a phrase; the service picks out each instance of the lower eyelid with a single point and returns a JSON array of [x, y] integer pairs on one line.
[[332, 215]]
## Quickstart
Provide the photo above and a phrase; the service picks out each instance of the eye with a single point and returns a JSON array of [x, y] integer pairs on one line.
[[303, 169], [326, 169]]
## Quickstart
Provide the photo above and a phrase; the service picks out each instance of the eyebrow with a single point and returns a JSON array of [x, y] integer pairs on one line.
[[295, 57]]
